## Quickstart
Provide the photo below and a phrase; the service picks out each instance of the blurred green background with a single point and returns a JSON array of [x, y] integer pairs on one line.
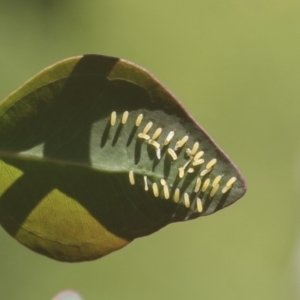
[[235, 65]]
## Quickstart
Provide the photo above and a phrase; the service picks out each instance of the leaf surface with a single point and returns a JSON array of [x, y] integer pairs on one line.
[[89, 161]]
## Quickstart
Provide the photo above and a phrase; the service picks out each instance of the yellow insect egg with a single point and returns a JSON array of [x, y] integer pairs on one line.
[[198, 162], [205, 171], [197, 185], [131, 178], [163, 181], [195, 148], [225, 189], [190, 170], [166, 191], [169, 138], [155, 189], [144, 136], [125, 117], [187, 200], [198, 155], [146, 183], [138, 120], [199, 205], [181, 172], [154, 143], [231, 181], [216, 180], [211, 163], [158, 154], [205, 185], [157, 133], [113, 118], [172, 153], [177, 195], [214, 190], [181, 142], [229, 184], [148, 127]]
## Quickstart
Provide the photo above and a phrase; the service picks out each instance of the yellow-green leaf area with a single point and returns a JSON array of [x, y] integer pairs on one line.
[[95, 152]]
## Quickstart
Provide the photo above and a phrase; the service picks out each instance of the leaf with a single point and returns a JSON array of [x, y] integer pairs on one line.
[[80, 177]]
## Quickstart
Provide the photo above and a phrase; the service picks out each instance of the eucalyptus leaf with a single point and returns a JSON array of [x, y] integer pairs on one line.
[[95, 152]]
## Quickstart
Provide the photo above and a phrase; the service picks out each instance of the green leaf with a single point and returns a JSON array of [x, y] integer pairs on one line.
[[79, 179]]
